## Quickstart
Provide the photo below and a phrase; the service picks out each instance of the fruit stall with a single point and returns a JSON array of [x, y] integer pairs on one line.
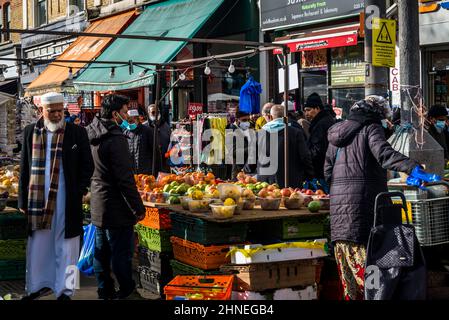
[[207, 239]]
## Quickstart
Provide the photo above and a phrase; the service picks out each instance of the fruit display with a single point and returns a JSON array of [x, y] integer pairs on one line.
[[314, 206], [199, 206], [246, 179], [9, 180], [249, 199], [222, 211], [294, 201], [229, 190], [270, 203]]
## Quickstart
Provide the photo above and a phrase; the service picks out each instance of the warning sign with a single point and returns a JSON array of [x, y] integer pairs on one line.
[[384, 42]]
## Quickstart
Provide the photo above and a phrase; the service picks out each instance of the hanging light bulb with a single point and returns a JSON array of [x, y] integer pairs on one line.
[[143, 73], [231, 68], [207, 70], [70, 74], [112, 74], [182, 76]]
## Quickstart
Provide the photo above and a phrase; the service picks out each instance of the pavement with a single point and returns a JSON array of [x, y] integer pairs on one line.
[[87, 291]]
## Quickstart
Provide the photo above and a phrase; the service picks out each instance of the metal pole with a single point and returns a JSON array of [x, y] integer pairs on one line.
[[286, 87], [409, 56], [376, 81], [156, 123]]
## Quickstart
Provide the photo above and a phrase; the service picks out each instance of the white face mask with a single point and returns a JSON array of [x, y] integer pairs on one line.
[[153, 118], [245, 125]]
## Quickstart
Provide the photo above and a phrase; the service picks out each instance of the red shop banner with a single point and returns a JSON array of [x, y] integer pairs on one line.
[[324, 43], [194, 108]]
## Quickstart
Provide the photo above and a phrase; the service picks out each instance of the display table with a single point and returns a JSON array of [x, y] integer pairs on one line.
[[257, 214]]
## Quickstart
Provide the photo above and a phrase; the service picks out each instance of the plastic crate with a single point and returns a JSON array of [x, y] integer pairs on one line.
[[13, 249], [152, 239], [299, 228], [156, 219], [265, 276], [152, 281], [207, 233], [180, 268], [431, 220], [13, 225], [199, 288], [197, 255], [156, 261], [12, 269]]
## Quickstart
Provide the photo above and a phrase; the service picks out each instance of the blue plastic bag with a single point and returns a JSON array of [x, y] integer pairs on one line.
[[86, 260]]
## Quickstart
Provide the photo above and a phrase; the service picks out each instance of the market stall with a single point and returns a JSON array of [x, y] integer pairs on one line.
[[269, 246]]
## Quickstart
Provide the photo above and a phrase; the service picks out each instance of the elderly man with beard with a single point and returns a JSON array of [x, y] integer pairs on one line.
[[55, 172]]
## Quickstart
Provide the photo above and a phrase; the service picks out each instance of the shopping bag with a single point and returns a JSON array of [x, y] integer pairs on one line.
[[86, 260]]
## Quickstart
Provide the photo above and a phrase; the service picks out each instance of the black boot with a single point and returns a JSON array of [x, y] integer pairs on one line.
[[35, 295], [64, 297], [104, 294]]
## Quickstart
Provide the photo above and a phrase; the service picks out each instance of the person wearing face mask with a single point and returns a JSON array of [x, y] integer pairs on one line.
[[437, 118], [116, 205], [163, 134], [140, 141], [241, 130]]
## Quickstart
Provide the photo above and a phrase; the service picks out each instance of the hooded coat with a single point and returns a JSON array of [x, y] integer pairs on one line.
[[115, 201], [300, 162], [356, 167]]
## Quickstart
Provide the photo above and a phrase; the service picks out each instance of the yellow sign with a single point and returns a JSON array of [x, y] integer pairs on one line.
[[409, 211], [384, 42]]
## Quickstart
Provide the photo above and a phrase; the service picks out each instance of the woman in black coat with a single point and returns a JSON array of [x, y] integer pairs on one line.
[[356, 167]]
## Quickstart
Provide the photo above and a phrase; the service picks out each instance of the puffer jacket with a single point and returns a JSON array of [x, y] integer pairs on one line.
[[115, 202], [356, 167]]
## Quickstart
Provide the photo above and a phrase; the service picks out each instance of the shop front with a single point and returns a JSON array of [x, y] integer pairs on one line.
[[327, 46], [434, 27]]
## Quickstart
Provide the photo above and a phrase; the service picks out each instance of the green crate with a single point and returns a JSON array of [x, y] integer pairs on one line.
[[300, 228], [180, 268], [152, 239], [13, 225], [13, 249], [12, 269], [207, 233]]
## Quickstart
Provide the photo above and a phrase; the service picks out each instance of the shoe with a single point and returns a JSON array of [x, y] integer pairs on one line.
[[64, 297], [107, 294], [132, 296], [35, 295]]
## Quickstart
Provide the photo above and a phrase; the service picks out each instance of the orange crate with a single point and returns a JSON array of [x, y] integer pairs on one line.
[[197, 255], [200, 288], [158, 219]]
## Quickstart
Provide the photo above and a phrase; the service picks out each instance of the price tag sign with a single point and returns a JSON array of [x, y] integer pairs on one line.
[[194, 108]]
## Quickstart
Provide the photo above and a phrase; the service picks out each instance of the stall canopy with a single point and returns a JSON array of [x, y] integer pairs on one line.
[[56, 76], [173, 18]]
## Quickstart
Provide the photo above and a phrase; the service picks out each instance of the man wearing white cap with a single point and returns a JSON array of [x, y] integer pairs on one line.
[[55, 171], [140, 142]]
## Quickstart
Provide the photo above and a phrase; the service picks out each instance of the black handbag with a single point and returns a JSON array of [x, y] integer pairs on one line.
[[395, 267]]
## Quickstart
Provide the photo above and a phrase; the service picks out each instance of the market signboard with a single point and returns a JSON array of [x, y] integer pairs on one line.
[[276, 14], [348, 66]]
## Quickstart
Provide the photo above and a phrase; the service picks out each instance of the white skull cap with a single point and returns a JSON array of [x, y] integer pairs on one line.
[[52, 98]]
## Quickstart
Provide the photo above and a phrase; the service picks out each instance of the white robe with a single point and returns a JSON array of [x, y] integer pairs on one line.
[[49, 254]]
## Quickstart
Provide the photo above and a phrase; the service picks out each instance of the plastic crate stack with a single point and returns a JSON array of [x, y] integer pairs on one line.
[[200, 248], [13, 242], [284, 262], [154, 250]]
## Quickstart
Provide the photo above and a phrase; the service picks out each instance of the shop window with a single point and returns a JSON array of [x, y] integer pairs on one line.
[[345, 98], [313, 74]]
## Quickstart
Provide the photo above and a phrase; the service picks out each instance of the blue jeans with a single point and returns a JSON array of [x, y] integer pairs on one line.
[[114, 247]]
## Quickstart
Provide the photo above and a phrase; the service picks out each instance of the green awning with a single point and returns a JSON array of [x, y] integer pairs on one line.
[[172, 18]]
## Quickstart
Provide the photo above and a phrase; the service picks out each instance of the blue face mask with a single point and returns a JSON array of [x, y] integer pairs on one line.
[[440, 125], [126, 126], [384, 123]]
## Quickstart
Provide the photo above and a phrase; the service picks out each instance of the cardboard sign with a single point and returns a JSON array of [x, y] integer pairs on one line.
[[384, 42]]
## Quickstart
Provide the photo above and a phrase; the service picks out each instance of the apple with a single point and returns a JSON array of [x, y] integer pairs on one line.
[[309, 192], [271, 188], [319, 192], [276, 193], [263, 193], [286, 192]]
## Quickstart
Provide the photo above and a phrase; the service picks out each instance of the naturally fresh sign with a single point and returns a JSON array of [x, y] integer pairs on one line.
[[284, 13]]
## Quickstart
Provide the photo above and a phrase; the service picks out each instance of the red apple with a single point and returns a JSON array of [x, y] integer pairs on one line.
[[286, 192], [263, 193], [309, 192], [271, 188]]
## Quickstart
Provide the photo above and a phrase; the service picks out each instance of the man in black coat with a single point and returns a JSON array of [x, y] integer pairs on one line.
[[437, 127], [321, 120], [270, 167], [356, 169], [116, 205], [140, 140], [54, 230]]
